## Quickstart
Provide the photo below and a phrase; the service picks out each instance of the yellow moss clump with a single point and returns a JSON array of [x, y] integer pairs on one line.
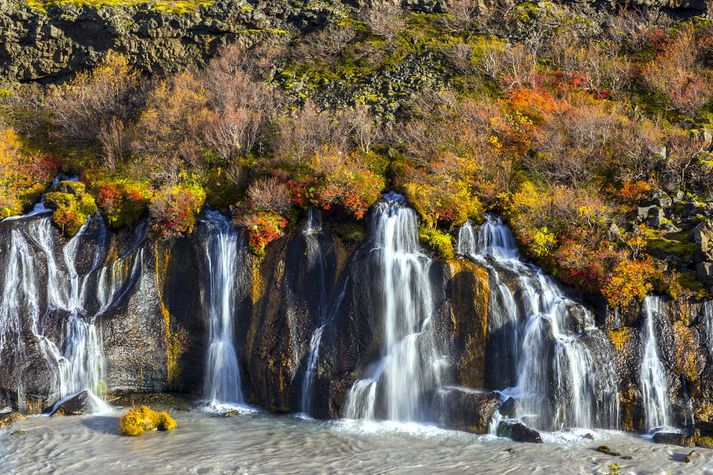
[[142, 419]]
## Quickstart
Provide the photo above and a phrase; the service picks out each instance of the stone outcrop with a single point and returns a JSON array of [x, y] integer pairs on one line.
[[50, 46]]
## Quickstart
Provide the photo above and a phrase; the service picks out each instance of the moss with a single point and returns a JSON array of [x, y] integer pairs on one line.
[[672, 244], [6, 420], [689, 281], [143, 419], [175, 340], [441, 243], [688, 360], [169, 6], [350, 231]]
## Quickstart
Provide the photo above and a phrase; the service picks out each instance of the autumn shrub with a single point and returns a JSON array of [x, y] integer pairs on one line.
[[440, 242], [262, 228], [173, 209], [678, 76], [269, 194], [72, 206], [9, 173], [93, 108], [347, 181], [630, 279], [169, 131], [122, 202]]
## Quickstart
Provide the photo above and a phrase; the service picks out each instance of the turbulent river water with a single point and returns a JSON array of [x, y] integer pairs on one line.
[[260, 443]]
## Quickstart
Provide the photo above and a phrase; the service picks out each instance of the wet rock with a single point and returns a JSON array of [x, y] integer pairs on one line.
[[8, 419], [691, 456], [606, 450], [508, 408], [673, 438], [77, 405], [465, 409], [230, 413], [588, 436], [627, 457], [656, 217], [704, 271], [518, 432]]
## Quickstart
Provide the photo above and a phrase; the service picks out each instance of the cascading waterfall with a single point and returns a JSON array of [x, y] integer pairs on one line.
[[558, 381], [409, 364], [76, 362], [315, 260], [493, 241], [654, 385], [81, 366], [21, 296], [224, 256]]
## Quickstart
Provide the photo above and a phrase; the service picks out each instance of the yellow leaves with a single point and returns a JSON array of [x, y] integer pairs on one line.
[[630, 280], [543, 241]]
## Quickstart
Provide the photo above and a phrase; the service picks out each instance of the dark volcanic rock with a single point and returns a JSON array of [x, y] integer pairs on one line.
[[518, 432], [465, 409], [77, 405], [674, 438]]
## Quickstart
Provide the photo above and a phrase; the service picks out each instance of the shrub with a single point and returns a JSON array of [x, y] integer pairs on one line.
[[72, 206], [438, 241], [142, 419], [269, 194], [349, 182], [95, 105], [263, 228], [677, 75], [122, 202], [630, 280], [173, 209]]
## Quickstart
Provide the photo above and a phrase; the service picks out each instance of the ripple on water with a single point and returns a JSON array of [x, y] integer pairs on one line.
[[255, 442]]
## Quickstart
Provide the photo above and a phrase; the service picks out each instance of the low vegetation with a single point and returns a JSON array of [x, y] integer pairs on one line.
[[562, 118], [143, 419]]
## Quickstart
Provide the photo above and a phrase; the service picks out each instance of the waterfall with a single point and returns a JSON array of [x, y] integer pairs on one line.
[[81, 365], [409, 364], [315, 261], [20, 296], [224, 255], [77, 364], [542, 338], [654, 385]]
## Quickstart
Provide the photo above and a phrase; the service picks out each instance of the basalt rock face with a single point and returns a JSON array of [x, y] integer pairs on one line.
[[147, 300], [48, 47], [51, 46]]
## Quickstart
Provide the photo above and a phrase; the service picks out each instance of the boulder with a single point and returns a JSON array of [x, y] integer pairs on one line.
[[691, 456], [508, 408], [77, 405], [606, 450], [465, 409], [674, 438], [656, 217], [518, 432], [703, 237]]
